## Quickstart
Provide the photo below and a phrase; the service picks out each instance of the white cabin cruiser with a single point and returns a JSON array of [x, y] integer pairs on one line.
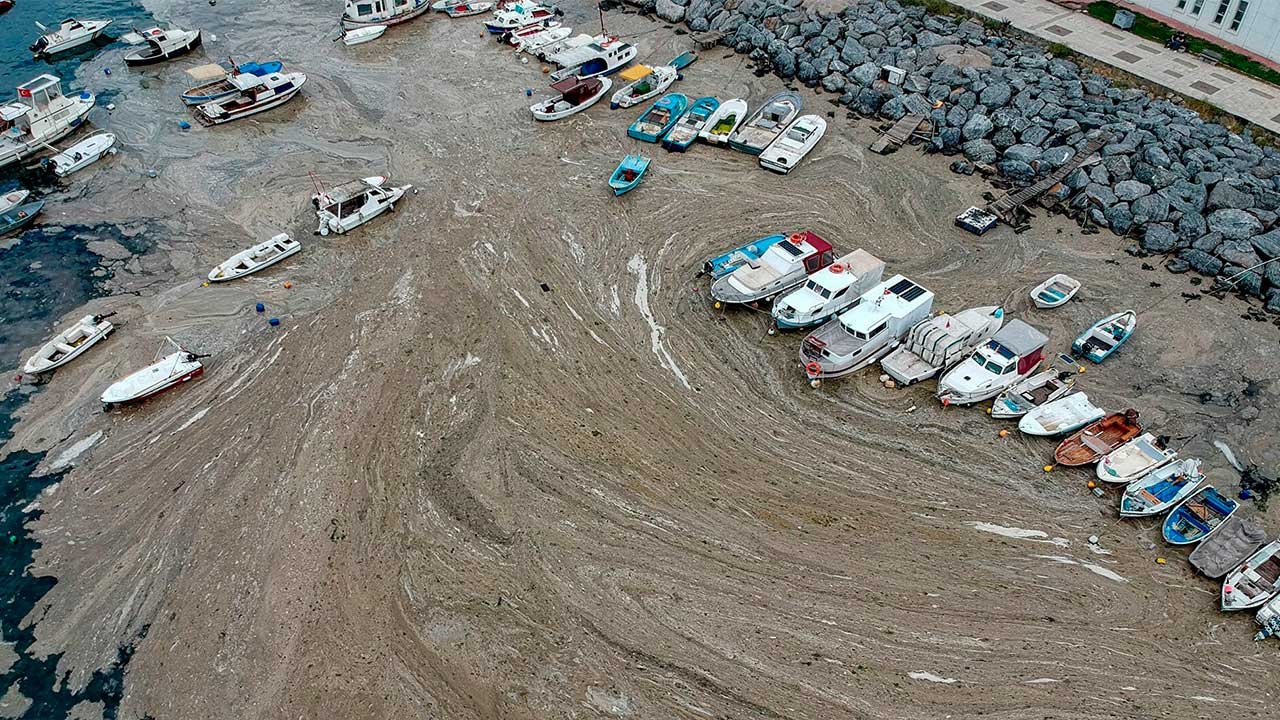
[[830, 291], [41, 115], [362, 13], [258, 257], [785, 152], [935, 345], [84, 153], [355, 203], [173, 369], [782, 267], [69, 344], [1008, 358], [519, 14], [867, 332], [160, 44], [71, 34], [254, 94], [603, 56], [1134, 459], [546, 52]]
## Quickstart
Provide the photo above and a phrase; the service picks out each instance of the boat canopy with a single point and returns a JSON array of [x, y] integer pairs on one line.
[[635, 72], [1020, 338], [857, 265], [812, 239], [204, 73], [246, 82], [13, 111], [347, 190]]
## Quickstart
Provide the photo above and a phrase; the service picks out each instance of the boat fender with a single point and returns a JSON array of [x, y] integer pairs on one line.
[[106, 71], [837, 268], [274, 322], [528, 92], [260, 307]]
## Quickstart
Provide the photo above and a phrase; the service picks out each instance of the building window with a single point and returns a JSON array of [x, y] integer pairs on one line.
[[1195, 9], [1239, 16], [1222, 11], [1182, 4]]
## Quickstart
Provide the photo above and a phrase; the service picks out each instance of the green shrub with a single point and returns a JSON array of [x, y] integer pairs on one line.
[[1059, 50]]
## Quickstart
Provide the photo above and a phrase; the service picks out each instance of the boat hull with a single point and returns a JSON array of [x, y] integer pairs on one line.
[[19, 151], [250, 111], [33, 366], [412, 14], [152, 390], [141, 60]]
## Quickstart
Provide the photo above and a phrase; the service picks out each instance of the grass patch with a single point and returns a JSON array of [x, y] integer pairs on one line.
[[1059, 50]]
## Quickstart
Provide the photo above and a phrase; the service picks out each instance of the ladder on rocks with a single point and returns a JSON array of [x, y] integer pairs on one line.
[[897, 135], [1005, 207]]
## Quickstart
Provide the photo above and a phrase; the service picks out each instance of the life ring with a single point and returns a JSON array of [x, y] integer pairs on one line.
[[837, 268], [796, 237], [812, 368]]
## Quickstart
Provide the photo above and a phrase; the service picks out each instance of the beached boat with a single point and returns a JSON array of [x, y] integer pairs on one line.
[[935, 345], [1005, 360], [1055, 291], [518, 36], [519, 14], [1198, 516], [1161, 489], [1036, 390], [1059, 417], [1237, 539], [467, 9], [789, 148], [40, 116], [628, 174], [828, 292], [604, 55], [13, 199], [643, 83], [1134, 459], [84, 153], [658, 120], [546, 52], [1256, 581], [171, 370], [254, 94], [767, 123], [221, 87], [1269, 618], [352, 204], [1106, 336], [1097, 439], [866, 332], [69, 344], [690, 124], [441, 5], [70, 34], [160, 45], [724, 122], [574, 95], [531, 39], [363, 13], [723, 264], [259, 257], [20, 216], [781, 267], [363, 34]]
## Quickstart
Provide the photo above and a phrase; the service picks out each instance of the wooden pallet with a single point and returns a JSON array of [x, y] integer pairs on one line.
[[897, 135], [1005, 207], [708, 40]]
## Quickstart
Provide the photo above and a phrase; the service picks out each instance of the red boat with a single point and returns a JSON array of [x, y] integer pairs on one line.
[[6, 6]]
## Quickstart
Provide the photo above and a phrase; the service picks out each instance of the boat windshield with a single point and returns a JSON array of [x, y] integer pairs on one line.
[[818, 290], [799, 133]]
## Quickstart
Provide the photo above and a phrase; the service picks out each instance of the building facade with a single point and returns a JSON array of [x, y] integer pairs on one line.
[[1253, 25]]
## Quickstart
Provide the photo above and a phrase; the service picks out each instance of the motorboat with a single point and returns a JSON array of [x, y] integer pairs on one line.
[[1055, 292], [937, 344], [537, 37], [605, 55], [20, 216], [1106, 336], [355, 203], [828, 292], [6, 6], [1007, 359], [1198, 516], [160, 45], [259, 257], [69, 344], [13, 199], [1255, 582], [628, 173], [1161, 489], [70, 34], [562, 46], [254, 94], [363, 34], [517, 37], [690, 124], [519, 14], [789, 148], [724, 122], [170, 370], [1237, 539], [467, 9], [725, 263], [84, 153], [574, 95], [658, 120], [41, 116], [1059, 417], [782, 267], [1098, 439], [1134, 459], [1036, 390], [217, 80], [870, 330], [1269, 619], [767, 123], [364, 13], [643, 83]]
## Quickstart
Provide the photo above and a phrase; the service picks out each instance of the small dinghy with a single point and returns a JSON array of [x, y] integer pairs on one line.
[[1061, 416], [1106, 336], [363, 13], [355, 203], [221, 87], [13, 199], [575, 95], [84, 153], [1097, 439], [1134, 459], [628, 174], [467, 9], [363, 34], [721, 265], [1197, 517], [1055, 292], [1255, 582], [254, 94], [690, 124], [173, 369], [658, 120], [724, 122], [782, 267], [800, 137], [643, 83], [1161, 489], [828, 292], [258, 257], [1043, 387], [160, 44], [767, 123], [69, 344], [20, 216], [71, 34]]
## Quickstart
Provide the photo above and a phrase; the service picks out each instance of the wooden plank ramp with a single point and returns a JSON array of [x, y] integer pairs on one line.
[[897, 135], [1005, 207]]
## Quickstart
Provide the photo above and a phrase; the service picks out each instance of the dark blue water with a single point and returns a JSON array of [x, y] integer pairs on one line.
[[18, 31]]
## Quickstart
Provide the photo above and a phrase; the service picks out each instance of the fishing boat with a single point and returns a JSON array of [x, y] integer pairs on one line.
[[1237, 539], [643, 83], [1036, 390], [18, 217], [1055, 292], [70, 34], [467, 9], [171, 370], [1006, 359], [363, 34], [355, 203], [1256, 581], [160, 45], [721, 265], [546, 52], [781, 267], [530, 39], [1106, 336], [218, 80], [658, 120], [41, 115], [575, 95], [1097, 439], [1134, 459], [519, 14], [254, 94], [627, 175], [604, 55], [935, 345], [84, 153], [441, 5], [363, 13], [767, 123], [1059, 417], [828, 292], [1269, 618], [259, 257], [69, 344], [789, 148], [867, 332], [1198, 516], [1161, 489], [13, 199], [690, 124], [724, 122]]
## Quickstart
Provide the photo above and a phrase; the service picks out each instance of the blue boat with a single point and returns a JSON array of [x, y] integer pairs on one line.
[[1106, 336], [660, 118], [1197, 517], [628, 174], [19, 217], [222, 88], [691, 123], [721, 265]]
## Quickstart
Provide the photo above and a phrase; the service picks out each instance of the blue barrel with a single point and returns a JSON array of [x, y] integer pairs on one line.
[[260, 307]]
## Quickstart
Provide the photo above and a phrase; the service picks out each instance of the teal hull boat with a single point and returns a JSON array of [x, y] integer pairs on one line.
[[19, 217], [628, 174], [721, 265], [1106, 336], [660, 118], [691, 123]]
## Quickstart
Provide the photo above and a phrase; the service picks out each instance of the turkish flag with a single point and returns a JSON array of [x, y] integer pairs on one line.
[[23, 92]]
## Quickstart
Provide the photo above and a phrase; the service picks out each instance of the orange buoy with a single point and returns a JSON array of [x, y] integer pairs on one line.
[[837, 268], [287, 284], [1004, 433], [1091, 484], [1048, 468], [812, 368], [545, 69]]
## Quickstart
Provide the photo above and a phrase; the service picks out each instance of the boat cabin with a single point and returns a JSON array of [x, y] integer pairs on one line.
[[376, 10], [775, 114], [799, 132], [575, 90], [804, 248], [39, 108], [600, 57], [888, 310], [1017, 349], [835, 287], [345, 199]]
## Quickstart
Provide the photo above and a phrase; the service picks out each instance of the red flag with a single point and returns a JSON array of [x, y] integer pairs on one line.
[[23, 92]]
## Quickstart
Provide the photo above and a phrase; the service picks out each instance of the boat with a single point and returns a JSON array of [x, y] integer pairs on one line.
[[1036, 390], [13, 199], [362, 34], [560, 46], [441, 5], [723, 264], [69, 344], [1161, 489], [519, 14], [20, 216], [658, 120], [220, 85], [467, 9], [255, 94], [355, 203], [363, 13], [643, 83], [690, 124], [828, 292], [537, 37], [781, 267], [1269, 618], [1134, 459], [767, 123], [1055, 292], [604, 55], [935, 345], [1059, 417], [1008, 358], [1237, 539], [6, 5], [517, 37], [867, 332], [84, 153], [171, 370], [258, 257], [41, 115], [70, 34], [1106, 336], [1198, 516], [575, 95], [628, 174], [1097, 439], [1255, 582], [724, 122], [160, 44], [789, 148]]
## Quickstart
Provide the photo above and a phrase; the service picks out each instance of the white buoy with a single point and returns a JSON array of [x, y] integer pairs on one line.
[[814, 383]]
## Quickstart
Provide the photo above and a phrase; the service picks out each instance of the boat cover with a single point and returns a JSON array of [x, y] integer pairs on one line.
[[635, 72], [1020, 338], [1224, 550], [206, 73]]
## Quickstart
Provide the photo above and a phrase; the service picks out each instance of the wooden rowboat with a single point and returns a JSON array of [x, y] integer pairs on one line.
[[1099, 439]]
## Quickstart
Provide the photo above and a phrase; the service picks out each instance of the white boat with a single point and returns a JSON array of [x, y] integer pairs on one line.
[[648, 83], [519, 14], [1055, 291], [363, 34], [41, 115], [541, 37], [258, 257], [605, 55], [254, 94], [1036, 390], [1061, 416], [363, 13], [724, 122], [1269, 618], [782, 267], [355, 203], [1007, 359], [828, 292], [173, 369], [546, 52], [936, 344], [13, 199], [1134, 459], [800, 137], [69, 344], [767, 123], [1255, 582], [84, 153], [467, 9], [160, 44], [1161, 489], [440, 5], [71, 34], [870, 330], [573, 96]]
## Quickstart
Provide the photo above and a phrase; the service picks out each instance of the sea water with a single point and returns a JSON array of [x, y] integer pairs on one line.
[[18, 31]]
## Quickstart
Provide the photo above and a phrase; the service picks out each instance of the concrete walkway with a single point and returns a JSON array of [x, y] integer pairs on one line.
[[1239, 95]]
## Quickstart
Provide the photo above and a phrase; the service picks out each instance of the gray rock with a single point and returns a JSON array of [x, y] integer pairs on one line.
[[1035, 135], [1064, 69], [1186, 196], [1076, 179], [928, 39], [1227, 195], [1238, 252], [853, 53], [1118, 167], [833, 83], [978, 126], [1158, 238], [1056, 157], [1273, 299], [1209, 242], [981, 151], [869, 102], [1156, 155], [1017, 171], [1201, 261], [1150, 208], [894, 109], [806, 72], [864, 74], [949, 138], [1192, 226], [670, 11], [1003, 138], [1249, 283], [1066, 126], [996, 95], [1023, 153], [1119, 218], [1268, 245], [1099, 195], [1234, 224], [1130, 190], [831, 30], [699, 25]]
